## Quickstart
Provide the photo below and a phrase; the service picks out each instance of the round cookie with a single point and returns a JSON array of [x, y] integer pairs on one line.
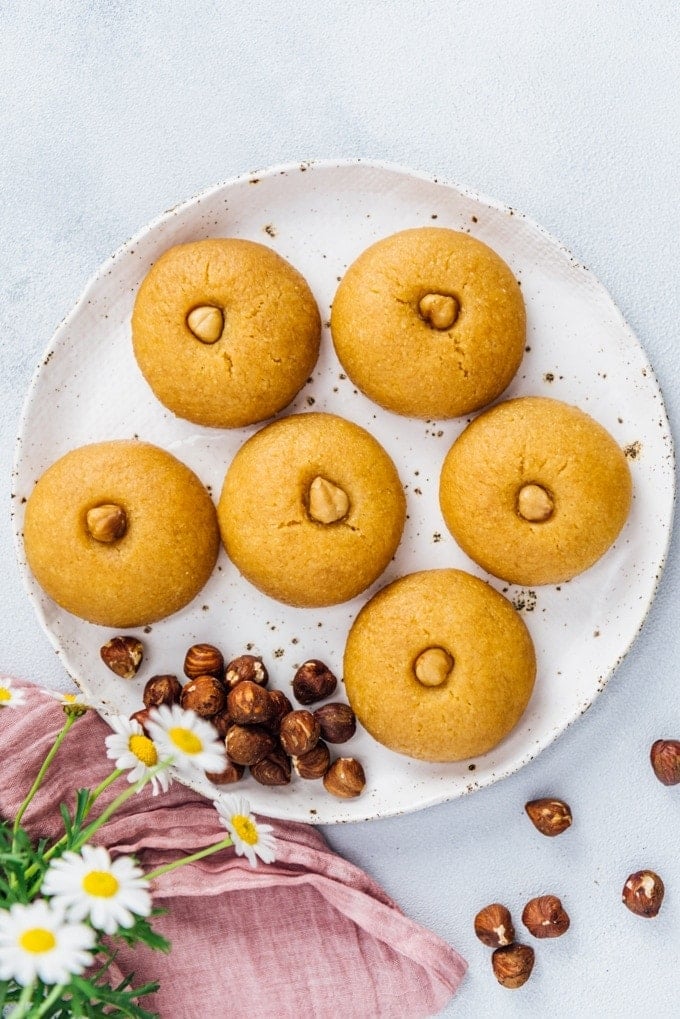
[[429, 323], [120, 533], [439, 666], [535, 491], [225, 331], [312, 510]]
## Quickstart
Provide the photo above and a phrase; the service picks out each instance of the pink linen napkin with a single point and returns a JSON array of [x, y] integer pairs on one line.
[[309, 935]]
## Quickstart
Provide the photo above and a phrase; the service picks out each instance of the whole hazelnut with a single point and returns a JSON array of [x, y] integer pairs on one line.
[[643, 893], [274, 769], [313, 764], [534, 504], [248, 667], [203, 660], [107, 523], [249, 704], [123, 655], [232, 773], [665, 758], [299, 733], [222, 722], [280, 706], [313, 681], [327, 502], [345, 778], [439, 310], [162, 690], [337, 721], [550, 817], [248, 744], [206, 323], [512, 964], [205, 695], [142, 717], [494, 927], [545, 917]]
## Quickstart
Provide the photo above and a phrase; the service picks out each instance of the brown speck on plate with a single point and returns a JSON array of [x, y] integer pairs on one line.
[[632, 450]]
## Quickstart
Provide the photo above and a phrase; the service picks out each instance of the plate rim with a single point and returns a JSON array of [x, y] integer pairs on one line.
[[398, 170]]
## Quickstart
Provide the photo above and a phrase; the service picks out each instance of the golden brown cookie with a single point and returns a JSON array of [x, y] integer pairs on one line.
[[535, 491], [439, 666], [120, 533], [225, 331], [312, 510], [430, 323]]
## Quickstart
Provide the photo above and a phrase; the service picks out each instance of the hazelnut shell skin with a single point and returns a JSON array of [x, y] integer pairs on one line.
[[203, 660], [345, 778], [494, 927], [549, 816], [665, 759], [315, 763], [299, 733], [205, 695], [232, 773], [512, 965], [545, 917], [142, 717], [162, 690], [337, 721], [249, 667], [280, 706], [222, 722], [249, 704], [313, 682], [248, 744], [123, 655], [274, 769], [643, 893]]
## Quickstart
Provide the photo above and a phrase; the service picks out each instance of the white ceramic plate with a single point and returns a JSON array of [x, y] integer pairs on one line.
[[320, 216]]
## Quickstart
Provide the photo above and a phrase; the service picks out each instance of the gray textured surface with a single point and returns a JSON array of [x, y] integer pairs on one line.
[[114, 112]]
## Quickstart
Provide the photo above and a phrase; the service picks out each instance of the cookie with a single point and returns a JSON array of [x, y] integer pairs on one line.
[[429, 323], [120, 533], [225, 331], [439, 666], [312, 510], [535, 491]]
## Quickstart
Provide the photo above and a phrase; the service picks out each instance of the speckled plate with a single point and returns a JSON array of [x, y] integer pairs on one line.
[[320, 216]]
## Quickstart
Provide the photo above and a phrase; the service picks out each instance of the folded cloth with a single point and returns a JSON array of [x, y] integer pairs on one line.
[[309, 935]]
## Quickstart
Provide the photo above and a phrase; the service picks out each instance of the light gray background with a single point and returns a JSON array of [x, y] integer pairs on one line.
[[114, 111]]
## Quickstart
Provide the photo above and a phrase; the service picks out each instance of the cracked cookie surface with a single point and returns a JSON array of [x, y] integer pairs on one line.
[[225, 331], [430, 323], [312, 510]]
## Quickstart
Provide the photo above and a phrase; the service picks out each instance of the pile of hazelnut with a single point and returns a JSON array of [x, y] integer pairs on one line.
[[260, 728]]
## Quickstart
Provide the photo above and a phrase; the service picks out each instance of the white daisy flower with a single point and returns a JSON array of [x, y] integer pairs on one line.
[[36, 941], [9, 697], [91, 886], [251, 839], [189, 741], [72, 703], [135, 753]]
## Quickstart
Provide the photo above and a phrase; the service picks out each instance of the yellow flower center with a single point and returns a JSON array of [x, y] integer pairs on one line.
[[69, 698], [101, 884], [144, 750], [37, 940], [186, 740], [5, 694], [245, 829]]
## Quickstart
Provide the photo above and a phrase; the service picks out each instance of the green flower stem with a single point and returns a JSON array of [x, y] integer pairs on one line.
[[49, 1001], [208, 851], [132, 790], [102, 787], [25, 999], [70, 719]]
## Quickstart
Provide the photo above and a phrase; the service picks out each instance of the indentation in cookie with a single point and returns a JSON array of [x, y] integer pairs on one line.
[[534, 503], [439, 310], [328, 503], [107, 522], [433, 666], [206, 323]]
